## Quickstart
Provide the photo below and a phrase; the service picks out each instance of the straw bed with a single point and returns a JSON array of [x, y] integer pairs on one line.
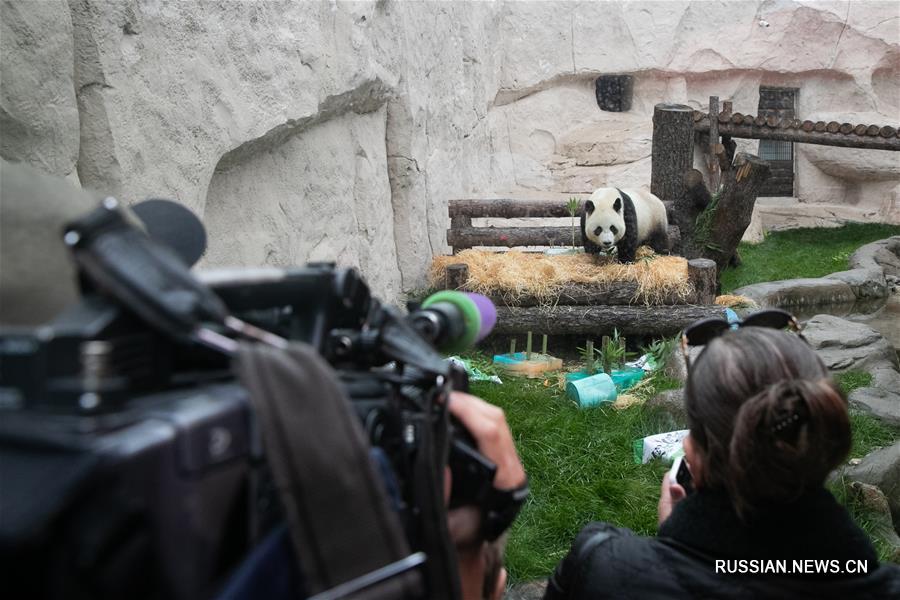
[[732, 301], [514, 274]]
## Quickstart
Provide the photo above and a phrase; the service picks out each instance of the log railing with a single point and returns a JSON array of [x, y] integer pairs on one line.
[[845, 135], [462, 234]]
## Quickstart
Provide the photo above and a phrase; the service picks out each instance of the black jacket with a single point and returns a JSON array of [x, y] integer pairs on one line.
[[612, 562]]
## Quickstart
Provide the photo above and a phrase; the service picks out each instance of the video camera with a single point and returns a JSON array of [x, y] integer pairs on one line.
[[133, 464]]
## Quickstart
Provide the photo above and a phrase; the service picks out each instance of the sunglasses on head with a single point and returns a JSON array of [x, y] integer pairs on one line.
[[705, 330]]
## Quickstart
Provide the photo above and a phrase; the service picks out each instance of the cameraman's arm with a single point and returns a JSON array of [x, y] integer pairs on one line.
[[487, 424], [480, 563]]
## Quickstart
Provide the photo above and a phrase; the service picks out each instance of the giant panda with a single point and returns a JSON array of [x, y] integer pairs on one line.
[[624, 219]]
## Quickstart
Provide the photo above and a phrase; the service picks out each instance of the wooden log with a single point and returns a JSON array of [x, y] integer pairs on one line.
[[832, 127], [724, 117], [623, 293], [796, 123], [460, 221], [456, 276], [512, 236], [737, 118], [749, 119], [713, 120], [599, 320], [672, 151], [457, 222], [727, 106], [713, 162], [509, 237], [760, 120], [723, 158], [846, 128], [506, 208], [820, 126], [698, 115], [860, 129], [702, 275], [805, 135], [785, 123], [888, 131]]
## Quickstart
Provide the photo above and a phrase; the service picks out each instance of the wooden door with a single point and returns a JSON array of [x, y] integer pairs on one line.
[[781, 103]]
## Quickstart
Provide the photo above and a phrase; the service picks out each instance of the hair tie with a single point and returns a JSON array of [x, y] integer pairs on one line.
[[793, 391], [786, 422]]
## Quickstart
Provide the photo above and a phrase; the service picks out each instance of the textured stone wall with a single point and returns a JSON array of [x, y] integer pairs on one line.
[[340, 129]]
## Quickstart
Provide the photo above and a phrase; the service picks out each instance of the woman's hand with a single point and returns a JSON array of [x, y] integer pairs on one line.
[[669, 495]]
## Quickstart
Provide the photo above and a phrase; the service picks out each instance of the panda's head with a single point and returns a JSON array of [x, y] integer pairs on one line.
[[604, 222]]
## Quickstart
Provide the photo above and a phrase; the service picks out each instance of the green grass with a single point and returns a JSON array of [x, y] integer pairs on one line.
[[802, 253], [581, 469], [852, 380]]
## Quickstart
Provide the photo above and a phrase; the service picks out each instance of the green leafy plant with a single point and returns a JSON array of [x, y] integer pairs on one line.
[[703, 223], [612, 352], [660, 350], [572, 205]]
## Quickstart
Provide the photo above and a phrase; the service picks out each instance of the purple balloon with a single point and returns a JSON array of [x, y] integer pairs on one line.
[[488, 313]]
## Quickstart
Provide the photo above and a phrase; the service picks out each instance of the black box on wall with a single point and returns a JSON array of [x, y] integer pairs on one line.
[[614, 92]]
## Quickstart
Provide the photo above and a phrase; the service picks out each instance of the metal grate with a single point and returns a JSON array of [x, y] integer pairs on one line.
[[780, 103], [774, 150]]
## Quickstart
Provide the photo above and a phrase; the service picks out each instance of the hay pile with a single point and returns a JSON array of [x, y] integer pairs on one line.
[[732, 301], [514, 274]]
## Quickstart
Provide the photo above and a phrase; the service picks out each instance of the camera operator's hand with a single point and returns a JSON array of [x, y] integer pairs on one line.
[[487, 424], [480, 563]]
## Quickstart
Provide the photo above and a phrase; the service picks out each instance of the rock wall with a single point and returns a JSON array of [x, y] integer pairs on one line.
[[340, 129]]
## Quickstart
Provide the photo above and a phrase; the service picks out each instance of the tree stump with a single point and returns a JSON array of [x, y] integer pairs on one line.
[[457, 275], [672, 149], [712, 228], [702, 274], [730, 216]]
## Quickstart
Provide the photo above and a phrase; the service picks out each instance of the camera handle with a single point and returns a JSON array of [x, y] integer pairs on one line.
[[151, 280]]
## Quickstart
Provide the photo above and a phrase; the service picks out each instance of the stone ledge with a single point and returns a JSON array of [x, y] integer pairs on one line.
[[798, 292], [883, 255]]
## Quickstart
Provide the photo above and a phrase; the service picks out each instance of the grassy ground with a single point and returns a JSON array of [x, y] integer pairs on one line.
[[802, 253], [581, 468]]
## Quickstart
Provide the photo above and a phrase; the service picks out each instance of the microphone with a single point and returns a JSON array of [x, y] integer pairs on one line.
[[174, 225], [454, 321]]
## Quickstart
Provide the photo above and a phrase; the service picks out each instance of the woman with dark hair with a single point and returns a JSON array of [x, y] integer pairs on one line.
[[767, 425]]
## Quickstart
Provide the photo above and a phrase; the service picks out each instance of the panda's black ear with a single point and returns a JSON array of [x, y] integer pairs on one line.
[[617, 205], [588, 207]]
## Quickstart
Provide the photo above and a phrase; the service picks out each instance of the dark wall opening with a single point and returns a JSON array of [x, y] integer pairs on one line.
[[780, 102]]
